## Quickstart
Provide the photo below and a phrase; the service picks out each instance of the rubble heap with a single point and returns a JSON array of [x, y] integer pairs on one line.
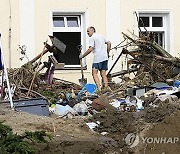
[[148, 62]]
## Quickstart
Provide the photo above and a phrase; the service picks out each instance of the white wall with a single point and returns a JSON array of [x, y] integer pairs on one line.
[[113, 31], [27, 32]]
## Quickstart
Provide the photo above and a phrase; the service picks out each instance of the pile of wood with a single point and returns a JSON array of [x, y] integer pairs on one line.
[[148, 61], [30, 82]]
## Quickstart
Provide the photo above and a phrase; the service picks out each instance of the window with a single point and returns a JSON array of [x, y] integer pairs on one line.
[[66, 21], [144, 22], [156, 23], [58, 22], [68, 29], [72, 22]]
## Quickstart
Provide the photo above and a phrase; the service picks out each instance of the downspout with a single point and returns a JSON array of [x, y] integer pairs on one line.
[[9, 41]]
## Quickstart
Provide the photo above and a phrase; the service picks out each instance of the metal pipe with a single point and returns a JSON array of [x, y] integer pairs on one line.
[[9, 43]]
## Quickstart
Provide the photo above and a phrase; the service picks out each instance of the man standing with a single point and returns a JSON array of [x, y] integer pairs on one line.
[[97, 45]]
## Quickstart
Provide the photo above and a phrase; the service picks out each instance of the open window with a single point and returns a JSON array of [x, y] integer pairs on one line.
[[68, 29], [71, 55]]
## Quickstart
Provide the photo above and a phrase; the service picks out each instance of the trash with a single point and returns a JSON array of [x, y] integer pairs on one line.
[[81, 108], [134, 101], [140, 104], [68, 96], [104, 133], [12, 90], [93, 125], [160, 85], [161, 91], [60, 101], [176, 70], [176, 94], [88, 102], [138, 91], [52, 108], [168, 98], [176, 84], [73, 95], [167, 91], [127, 108], [63, 110], [115, 103], [131, 100], [169, 82]]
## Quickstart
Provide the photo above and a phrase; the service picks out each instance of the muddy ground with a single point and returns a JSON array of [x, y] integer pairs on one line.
[[74, 136]]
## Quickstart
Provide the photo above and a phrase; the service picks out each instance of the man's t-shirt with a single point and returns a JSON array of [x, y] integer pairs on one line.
[[97, 41]]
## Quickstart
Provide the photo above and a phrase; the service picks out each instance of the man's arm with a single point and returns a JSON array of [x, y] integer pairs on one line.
[[89, 50], [108, 47]]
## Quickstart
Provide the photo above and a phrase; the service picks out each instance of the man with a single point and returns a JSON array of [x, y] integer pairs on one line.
[[97, 45]]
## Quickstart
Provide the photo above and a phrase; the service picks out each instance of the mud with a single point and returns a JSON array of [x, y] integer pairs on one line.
[[73, 135]]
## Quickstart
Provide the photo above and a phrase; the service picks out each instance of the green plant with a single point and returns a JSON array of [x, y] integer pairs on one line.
[[19, 144]]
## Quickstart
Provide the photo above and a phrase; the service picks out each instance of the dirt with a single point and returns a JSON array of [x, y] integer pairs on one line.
[[74, 136]]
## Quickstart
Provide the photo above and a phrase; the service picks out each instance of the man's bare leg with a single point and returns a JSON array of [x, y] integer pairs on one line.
[[104, 78], [96, 78]]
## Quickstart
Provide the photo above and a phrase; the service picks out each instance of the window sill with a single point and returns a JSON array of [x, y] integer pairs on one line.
[[71, 68]]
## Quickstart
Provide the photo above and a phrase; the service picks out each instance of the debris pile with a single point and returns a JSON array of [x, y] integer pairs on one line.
[[21, 78], [148, 93], [28, 81], [148, 62]]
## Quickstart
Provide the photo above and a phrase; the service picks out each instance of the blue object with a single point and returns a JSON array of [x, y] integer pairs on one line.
[[90, 87], [162, 88], [122, 101], [160, 85], [176, 84]]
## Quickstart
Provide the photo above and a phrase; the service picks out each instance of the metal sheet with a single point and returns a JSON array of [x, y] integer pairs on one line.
[[59, 45]]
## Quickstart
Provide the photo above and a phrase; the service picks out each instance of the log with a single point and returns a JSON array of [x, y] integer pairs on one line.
[[125, 51], [153, 44], [175, 61], [42, 53], [48, 48], [160, 49]]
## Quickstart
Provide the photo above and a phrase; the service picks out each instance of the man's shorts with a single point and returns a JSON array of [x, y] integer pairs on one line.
[[101, 66]]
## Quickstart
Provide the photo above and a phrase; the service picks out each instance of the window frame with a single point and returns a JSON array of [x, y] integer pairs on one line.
[[154, 29], [66, 28], [82, 15], [166, 15]]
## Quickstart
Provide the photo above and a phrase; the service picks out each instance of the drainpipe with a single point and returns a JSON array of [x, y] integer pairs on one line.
[[9, 41]]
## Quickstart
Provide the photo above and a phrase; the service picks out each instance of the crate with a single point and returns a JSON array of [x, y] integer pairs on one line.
[[38, 106]]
